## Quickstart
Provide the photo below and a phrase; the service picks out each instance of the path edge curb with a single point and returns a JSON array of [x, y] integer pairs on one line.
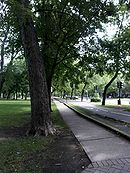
[[114, 129]]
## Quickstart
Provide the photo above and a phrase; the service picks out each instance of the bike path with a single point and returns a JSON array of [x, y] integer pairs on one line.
[[106, 150]]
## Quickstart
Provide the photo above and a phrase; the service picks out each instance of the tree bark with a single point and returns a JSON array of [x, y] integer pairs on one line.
[[22, 94], [3, 49], [2, 53], [16, 94], [64, 93], [82, 93], [107, 86], [49, 81], [72, 92], [2, 80], [41, 123], [25, 98]]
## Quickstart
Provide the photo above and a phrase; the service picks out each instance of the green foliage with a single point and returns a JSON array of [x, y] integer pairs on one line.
[[16, 78], [57, 120], [96, 98], [62, 26], [70, 47]]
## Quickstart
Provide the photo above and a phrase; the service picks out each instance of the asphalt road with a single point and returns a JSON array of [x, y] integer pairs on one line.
[[117, 114]]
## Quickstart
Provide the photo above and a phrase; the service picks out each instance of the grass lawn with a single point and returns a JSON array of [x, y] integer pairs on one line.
[[22, 154], [124, 106], [14, 113]]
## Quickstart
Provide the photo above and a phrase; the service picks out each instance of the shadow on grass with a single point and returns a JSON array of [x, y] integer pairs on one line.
[[14, 118], [13, 132]]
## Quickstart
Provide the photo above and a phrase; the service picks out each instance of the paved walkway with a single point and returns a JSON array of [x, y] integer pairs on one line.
[[108, 152]]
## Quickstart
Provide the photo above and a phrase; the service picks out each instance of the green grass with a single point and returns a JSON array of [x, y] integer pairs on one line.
[[81, 109], [23, 154], [123, 107], [56, 119], [14, 113]]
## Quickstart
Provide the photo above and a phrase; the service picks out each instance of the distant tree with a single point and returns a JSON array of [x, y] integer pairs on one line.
[[9, 41], [4, 30], [118, 52], [16, 79]]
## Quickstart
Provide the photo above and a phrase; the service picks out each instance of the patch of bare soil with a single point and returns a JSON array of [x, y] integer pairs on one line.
[[12, 132], [65, 155]]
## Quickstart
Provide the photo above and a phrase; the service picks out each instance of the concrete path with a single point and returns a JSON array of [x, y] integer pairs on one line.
[[108, 152]]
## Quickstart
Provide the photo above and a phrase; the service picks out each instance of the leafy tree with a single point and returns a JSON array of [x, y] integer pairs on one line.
[[112, 56], [51, 33], [66, 79], [10, 45], [62, 25], [118, 50], [4, 30]]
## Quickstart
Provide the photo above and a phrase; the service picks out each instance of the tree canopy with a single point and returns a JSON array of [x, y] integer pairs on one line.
[[62, 47]]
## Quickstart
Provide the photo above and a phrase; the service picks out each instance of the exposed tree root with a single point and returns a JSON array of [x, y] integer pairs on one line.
[[41, 130]]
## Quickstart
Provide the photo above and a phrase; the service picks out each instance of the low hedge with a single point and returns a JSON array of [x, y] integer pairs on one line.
[[95, 99]]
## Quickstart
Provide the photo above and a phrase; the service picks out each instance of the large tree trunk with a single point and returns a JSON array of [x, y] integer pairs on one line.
[[49, 78], [41, 123], [2, 53], [107, 86]]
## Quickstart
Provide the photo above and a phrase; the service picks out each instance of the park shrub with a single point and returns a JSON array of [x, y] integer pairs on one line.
[[95, 98]]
